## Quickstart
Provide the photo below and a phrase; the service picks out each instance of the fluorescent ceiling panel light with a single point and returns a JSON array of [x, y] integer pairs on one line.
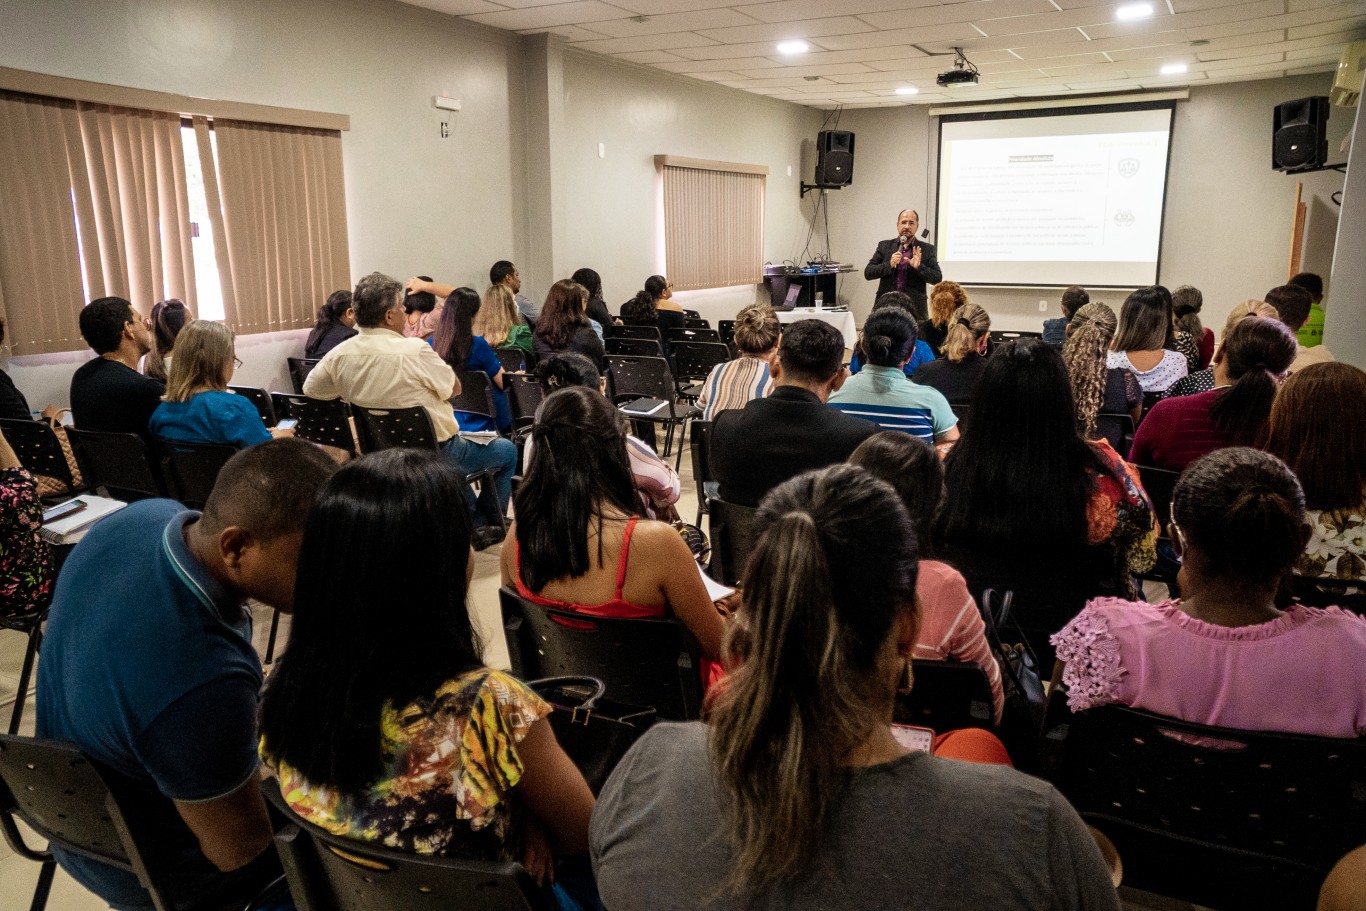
[[907, 90], [793, 47], [1133, 11], [1173, 69]]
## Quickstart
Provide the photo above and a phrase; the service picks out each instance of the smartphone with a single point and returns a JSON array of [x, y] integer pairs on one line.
[[62, 510], [287, 424], [913, 738]]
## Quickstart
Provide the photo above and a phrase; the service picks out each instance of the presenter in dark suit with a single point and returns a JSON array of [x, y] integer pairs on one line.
[[905, 263]]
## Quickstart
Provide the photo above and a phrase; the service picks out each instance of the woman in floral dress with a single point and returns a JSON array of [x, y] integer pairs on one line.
[[26, 568]]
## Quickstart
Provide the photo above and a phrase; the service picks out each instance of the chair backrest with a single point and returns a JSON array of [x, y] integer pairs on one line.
[[38, 449], [1117, 430], [1007, 335], [695, 360], [946, 696], [1211, 815], [726, 329], [512, 359], [1159, 484], [524, 397], [118, 462], [1320, 591], [261, 399], [192, 469], [632, 377], [476, 394], [327, 872], [733, 534], [699, 446], [634, 347], [645, 332], [320, 421], [692, 314], [299, 368], [643, 662], [696, 323], [391, 428], [691, 335]]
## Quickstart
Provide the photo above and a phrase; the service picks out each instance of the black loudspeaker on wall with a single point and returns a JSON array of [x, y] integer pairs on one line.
[[1299, 134], [835, 158]]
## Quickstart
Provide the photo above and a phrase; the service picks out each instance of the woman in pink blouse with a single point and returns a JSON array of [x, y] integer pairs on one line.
[[1226, 655]]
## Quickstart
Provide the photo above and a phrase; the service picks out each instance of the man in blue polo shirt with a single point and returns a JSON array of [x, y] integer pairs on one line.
[[148, 667]]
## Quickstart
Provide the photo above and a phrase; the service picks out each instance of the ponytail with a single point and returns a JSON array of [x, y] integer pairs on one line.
[[1257, 351], [966, 328], [329, 315]]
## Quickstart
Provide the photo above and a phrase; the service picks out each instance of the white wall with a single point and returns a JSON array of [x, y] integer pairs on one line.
[[1344, 328]]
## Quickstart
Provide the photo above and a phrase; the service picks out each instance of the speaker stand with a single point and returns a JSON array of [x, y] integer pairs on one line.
[[808, 187]]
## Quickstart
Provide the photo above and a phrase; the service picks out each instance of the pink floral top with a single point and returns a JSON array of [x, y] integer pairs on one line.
[[1301, 673], [26, 571]]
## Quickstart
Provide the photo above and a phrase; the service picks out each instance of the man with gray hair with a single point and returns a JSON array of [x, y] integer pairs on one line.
[[380, 368]]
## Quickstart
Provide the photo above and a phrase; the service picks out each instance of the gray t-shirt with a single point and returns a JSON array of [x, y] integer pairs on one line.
[[915, 833]]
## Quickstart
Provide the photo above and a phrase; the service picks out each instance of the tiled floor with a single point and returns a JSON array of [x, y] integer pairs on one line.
[[18, 876]]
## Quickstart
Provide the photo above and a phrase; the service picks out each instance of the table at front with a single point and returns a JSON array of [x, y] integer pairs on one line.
[[842, 320]]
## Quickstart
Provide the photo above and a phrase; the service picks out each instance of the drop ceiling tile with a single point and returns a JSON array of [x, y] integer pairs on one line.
[[688, 67], [829, 69], [975, 11], [1243, 12], [1222, 47], [1311, 70], [954, 32], [1286, 21], [655, 57], [674, 43], [1090, 73], [1084, 18], [578, 12], [1054, 48], [1189, 6], [1335, 41], [979, 57], [1295, 6], [791, 10], [728, 78], [1310, 55], [1351, 30], [871, 56], [667, 7], [1259, 60], [779, 31], [459, 7], [568, 32], [718, 51], [774, 82], [674, 22]]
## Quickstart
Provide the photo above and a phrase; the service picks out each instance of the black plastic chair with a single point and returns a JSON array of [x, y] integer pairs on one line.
[[643, 662], [31, 625], [38, 450], [693, 363], [1009, 335], [327, 872], [524, 397], [69, 801], [672, 336], [1117, 430], [699, 450], [1159, 484], [726, 329], [733, 532], [476, 396], [192, 469], [118, 462], [260, 398], [634, 347], [695, 323], [299, 368], [1325, 591], [512, 359], [645, 332], [692, 314], [390, 428], [651, 377], [946, 696], [325, 422], [1217, 817]]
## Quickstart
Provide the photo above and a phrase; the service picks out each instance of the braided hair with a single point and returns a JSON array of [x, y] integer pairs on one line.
[[1084, 354]]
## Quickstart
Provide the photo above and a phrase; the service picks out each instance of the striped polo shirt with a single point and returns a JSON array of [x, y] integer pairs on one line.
[[885, 396]]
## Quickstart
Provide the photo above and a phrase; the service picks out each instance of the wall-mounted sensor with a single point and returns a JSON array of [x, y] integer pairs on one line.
[[446, 104]]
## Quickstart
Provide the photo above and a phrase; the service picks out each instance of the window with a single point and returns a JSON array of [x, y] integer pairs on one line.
[[713, 222]]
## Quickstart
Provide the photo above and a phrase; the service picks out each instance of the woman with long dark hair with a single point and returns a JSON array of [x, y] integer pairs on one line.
[[336, 323], [1253, 363], [168, 318], [653, 306], [596, 308], [579, 543], [563, 325], [458, 346], [1145, 341], [1034, 507], [783, 799], [381, 719]]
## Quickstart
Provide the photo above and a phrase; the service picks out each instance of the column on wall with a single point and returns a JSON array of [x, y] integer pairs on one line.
[[547, 218], [1344, 329]]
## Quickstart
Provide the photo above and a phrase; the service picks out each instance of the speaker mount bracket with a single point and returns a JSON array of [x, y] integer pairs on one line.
[[1323, 167], [808, 187]]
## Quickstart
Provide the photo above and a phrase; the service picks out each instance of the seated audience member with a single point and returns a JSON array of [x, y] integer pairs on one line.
[[27, 571], [1073, 299], [148, 667], [402, 650], [500, 324], [168, 318], [756, 448], [13, 405], [108, 394], [1203, 380], [380, 368], [422, 311], [1145, 341], [656, 481], [1224, 654], [198, 407], [920, 355], [1183, 342], [1186, 304], [579, 543], [1097, 388], [653, 306], [1035, 508], [458, 346], [1256, 356], [882, 393], [951, 627], [564, 326], [1293, 304], [965, 355], [336, 323], [505, 273], [596, 308], [1323, 440], [946, 297], [781, 800], [734, 383], [1310, 334]]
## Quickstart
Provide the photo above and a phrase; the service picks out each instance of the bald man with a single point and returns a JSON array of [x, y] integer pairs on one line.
[[905, 263]]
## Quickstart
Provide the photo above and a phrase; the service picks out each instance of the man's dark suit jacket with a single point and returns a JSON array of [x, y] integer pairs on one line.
[[880, 267], [758, 447]]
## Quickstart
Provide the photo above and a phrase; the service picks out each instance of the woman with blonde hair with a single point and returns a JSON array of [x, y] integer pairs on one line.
[[499, 323], [198, 407], [946, 298], [1203, 380], [732, 384], [965, 354], [1097, 389]]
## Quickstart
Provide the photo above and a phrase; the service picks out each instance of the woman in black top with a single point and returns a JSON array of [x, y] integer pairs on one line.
[[944, 300], [596, 307], [13, 405], [564, 326], [336, 324], [965, 355], [653, 306]]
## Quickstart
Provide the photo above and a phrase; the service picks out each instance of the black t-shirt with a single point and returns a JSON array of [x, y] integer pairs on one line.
[[584, 341], [933, 335], [958, 381], [110, 397], [597, 310], [13, 405]]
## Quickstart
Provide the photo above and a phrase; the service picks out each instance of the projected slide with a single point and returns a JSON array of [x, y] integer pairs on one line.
[[1057, 200]]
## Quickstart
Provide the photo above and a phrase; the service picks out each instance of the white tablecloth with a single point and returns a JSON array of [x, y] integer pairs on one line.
[[842, 320]]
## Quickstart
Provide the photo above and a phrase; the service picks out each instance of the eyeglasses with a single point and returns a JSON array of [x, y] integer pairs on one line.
[[237, 363]]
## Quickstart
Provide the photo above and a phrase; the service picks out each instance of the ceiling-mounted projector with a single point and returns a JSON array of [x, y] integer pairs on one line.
[[962, 74]]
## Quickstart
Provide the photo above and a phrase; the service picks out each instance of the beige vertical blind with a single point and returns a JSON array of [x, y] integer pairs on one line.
[[283, 211], [713, 223]]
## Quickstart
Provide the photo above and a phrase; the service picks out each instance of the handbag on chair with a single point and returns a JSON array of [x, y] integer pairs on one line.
[[1025, 699], [594, 732]]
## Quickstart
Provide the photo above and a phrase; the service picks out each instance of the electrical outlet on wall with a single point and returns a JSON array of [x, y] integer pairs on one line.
[[1043, 306]]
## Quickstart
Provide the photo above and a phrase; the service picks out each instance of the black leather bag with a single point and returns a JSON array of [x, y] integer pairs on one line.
[[593, 731], [1025, 700]]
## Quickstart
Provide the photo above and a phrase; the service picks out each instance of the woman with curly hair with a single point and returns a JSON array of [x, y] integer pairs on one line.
[[1097, 389], [944, 300]]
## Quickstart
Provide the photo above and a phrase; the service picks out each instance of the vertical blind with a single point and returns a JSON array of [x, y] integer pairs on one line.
[[713, 223]]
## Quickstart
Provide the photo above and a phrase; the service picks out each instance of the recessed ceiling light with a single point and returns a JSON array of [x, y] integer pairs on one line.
[[793, 47], [907, 90], [1173, 69], [1133, 11]]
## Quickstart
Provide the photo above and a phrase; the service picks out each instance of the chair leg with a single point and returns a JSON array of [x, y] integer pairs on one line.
[[44, 887], [274, 631], [35, 638]]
